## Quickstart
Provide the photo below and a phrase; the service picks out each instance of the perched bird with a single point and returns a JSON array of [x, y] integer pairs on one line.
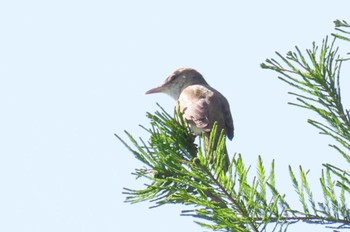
[[200, 104]]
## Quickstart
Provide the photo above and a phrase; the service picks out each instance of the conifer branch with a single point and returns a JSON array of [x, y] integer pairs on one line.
[[176, 170]]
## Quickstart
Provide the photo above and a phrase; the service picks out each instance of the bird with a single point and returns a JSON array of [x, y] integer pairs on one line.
[[200, 104]]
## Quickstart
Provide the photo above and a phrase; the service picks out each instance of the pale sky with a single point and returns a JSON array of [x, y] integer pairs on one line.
[[73, 73]]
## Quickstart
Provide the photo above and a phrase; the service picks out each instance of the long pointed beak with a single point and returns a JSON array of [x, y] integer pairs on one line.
[[158, 89]]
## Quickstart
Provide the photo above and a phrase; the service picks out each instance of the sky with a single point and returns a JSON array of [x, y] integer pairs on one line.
[[73, 73]]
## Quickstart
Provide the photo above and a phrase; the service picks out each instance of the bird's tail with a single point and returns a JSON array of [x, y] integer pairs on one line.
[[227, 160]]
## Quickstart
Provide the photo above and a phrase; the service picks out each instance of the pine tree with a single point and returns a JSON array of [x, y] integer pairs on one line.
[[177, 170]]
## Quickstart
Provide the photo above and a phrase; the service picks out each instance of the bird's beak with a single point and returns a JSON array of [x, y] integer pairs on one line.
[[155, 90]]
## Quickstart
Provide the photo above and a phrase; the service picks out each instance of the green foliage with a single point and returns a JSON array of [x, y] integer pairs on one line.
[[179, 172], [316, 77], [320, 81], [176, 170]]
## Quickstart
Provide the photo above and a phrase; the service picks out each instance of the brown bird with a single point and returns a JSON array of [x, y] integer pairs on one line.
[[200, 104]]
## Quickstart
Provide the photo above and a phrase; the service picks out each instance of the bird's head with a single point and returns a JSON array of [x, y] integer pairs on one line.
[[179, 80]]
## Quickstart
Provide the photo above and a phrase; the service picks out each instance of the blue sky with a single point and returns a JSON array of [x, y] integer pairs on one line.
[[73, 73]]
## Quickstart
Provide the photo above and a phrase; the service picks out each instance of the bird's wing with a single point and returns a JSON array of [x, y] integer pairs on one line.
[[229, 128], [195, 110], [194, 105]]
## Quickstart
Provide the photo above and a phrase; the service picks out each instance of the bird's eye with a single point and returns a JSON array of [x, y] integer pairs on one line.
[[172, 78]]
